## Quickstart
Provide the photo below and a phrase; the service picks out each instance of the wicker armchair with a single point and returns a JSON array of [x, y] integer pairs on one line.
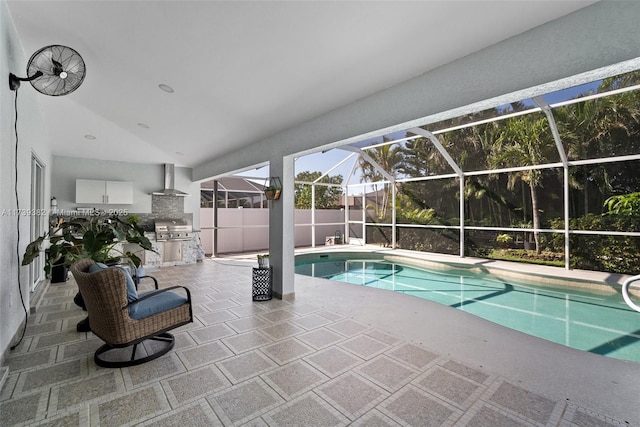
[[122, 320]]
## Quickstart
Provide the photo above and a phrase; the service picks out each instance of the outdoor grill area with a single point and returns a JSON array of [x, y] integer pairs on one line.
[[173, 235], [173, 230]]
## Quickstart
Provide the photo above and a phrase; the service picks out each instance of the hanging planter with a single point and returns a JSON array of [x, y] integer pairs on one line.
[[272, 193], [272, 188]]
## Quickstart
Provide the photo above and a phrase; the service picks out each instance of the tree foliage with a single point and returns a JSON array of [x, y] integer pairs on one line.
[[390, 159], [596, 128], [326, 197], [611, 253], [624, 204]]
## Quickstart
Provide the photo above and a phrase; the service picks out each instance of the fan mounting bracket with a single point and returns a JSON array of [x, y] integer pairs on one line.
[[14, 81]]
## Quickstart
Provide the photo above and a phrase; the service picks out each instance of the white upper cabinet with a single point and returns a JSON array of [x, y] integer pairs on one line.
[[90, 191], [119, 193]]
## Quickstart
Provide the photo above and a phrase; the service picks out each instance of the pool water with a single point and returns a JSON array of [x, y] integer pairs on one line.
[[592, 321]]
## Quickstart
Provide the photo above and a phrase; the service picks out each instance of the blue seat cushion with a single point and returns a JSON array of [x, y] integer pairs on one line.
[[132, 292], [156, 304]]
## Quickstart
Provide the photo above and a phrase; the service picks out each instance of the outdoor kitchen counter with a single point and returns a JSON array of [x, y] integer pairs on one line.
[[190, 251]]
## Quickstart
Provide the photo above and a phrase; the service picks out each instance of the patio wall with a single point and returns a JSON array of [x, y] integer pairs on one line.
[[247, 230]]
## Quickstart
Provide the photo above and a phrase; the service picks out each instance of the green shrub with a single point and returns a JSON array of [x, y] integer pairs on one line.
[[504, 238], [610, 253]]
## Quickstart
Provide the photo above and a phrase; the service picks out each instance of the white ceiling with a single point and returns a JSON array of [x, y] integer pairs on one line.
[[242, 71]]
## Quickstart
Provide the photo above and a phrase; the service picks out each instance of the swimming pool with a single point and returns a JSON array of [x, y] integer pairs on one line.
[[590, 320]]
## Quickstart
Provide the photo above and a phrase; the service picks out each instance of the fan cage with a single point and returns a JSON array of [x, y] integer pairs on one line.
[[63, 70]]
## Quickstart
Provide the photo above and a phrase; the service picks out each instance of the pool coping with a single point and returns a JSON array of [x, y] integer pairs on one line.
[[542, 274]]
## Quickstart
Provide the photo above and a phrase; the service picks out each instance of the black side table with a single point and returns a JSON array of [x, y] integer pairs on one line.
[[262, 288]]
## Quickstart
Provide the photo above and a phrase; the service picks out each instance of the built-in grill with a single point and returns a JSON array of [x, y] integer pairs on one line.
[[171, 230]]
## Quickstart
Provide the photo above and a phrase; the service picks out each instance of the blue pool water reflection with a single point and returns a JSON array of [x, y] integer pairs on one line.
[[593, 321]]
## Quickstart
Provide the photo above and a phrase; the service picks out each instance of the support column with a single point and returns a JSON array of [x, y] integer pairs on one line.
[[282, 229], [215, 219]]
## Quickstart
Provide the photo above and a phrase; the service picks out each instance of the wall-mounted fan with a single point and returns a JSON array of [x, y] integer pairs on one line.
[[53, 70]]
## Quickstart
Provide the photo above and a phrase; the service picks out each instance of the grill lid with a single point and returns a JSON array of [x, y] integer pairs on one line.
[[173, 229], [173, 225]]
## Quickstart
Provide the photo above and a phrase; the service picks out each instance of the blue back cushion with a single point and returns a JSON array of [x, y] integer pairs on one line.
[[162, 302], [132, 292]]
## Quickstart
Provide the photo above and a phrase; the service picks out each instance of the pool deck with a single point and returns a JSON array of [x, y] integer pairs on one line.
[[336, 354]]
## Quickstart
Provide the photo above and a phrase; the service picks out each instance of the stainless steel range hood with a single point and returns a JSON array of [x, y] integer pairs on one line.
[[169, 183]]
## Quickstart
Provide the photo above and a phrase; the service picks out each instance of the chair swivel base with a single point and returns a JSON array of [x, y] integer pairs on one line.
[[166, 338]]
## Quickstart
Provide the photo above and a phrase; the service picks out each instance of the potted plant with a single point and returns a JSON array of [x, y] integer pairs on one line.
[[272, 193], [272, 188], [97, 238], [263, 261]]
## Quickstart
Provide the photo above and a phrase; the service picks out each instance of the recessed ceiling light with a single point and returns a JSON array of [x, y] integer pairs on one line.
[[89, 137], [143, 125], [179, 153], [166, 88]]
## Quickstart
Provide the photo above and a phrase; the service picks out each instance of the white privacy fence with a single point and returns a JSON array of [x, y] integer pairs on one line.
[[247, 230]]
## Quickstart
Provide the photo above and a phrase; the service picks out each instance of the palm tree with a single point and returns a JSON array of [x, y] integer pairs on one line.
[[421, 159], [588, 130], [390, 158], [524, 142], [487, 187]]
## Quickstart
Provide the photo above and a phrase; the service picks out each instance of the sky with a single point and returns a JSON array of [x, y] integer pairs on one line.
[[563, 95], [318, 162]]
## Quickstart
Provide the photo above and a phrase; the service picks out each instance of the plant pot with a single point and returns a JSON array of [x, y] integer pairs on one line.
[[272, 194], [59, 273], [263, 262]]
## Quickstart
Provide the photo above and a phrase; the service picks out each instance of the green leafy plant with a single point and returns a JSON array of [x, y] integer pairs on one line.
[[263, 260], [272, 193], [272, 188], [504, 238], [97, 238], [623, 204], [418, 216], [609, 252]]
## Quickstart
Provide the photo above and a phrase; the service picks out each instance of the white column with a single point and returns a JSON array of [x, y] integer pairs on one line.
[[282, 229], [313, 215], [462, 213]]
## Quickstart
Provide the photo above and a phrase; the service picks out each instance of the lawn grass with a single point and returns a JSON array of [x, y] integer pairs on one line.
[[529, 257]]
